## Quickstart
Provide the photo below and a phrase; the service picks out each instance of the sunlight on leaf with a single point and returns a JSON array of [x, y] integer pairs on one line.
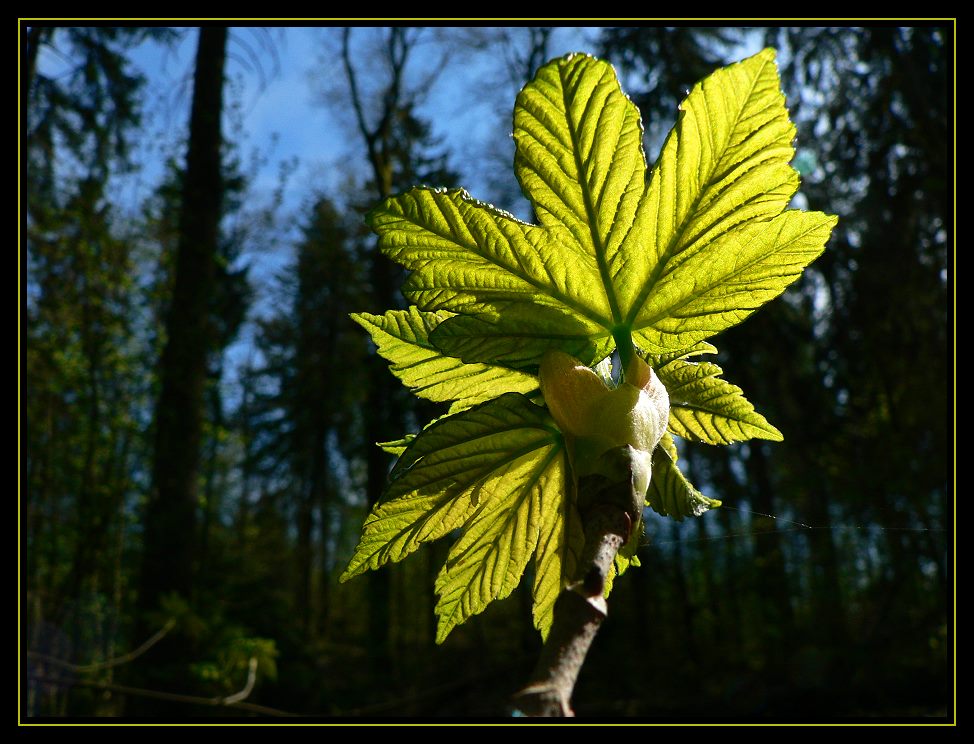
[[402, 337], [620, 261]]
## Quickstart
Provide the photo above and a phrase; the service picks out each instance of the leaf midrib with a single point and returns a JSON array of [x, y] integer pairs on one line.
[[590, 214], [546, 289], [675, 242], [725, 279]]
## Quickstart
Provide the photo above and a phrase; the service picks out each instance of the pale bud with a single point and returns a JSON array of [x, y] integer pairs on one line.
[[595, 417]]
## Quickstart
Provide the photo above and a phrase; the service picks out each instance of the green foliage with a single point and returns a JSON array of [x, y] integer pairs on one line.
[[227, 648], [704, 408], [497, 468], [403, 337], [616, 261], [670, 493]]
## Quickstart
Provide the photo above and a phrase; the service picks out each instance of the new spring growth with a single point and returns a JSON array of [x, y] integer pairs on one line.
[[595, 417]]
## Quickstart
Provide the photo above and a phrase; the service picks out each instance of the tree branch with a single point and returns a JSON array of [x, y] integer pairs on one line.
[[579, 612], [171, 697], [248, 687], [356, 96], [610, 500], [108, 663]]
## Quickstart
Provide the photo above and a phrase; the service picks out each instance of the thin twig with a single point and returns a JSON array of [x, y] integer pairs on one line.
[[239, 697], [108, 663], [167, 696]]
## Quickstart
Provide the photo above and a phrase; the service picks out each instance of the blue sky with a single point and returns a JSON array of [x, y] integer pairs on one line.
[[278, 80], [287, 100], [282, 115], [282, 99]]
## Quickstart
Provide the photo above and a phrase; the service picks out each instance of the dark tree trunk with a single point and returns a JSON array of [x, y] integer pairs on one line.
[[171, 515], [305, 557], [380, 422], [378, 426], [325, 498], [774, 591], [92, 522]]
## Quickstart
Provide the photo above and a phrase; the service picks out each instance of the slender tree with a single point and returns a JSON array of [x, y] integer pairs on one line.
[[312, 418], [84, 372], [170, 520], [397, 144]]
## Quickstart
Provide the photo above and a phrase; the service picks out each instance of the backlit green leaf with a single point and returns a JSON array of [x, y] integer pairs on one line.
[[465, 254], [705, 408], [402, 337], [444, 477], [488, 560], [670, 493], [579, 158], [672, 261], [396, 446], [657, 263], [657, 361], [520, 337], [729, 278], [724, 165]]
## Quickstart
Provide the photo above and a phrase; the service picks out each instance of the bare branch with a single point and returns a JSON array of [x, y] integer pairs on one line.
[[610, 502], [398, 51], [356, 95], [579, 612], [109, 663], [248, 686], [171, 697]]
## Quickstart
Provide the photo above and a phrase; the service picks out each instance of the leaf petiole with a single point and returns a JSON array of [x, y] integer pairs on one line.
[[623, 339]]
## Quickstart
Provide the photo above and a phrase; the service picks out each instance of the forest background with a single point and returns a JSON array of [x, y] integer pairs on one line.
[[197, 411]]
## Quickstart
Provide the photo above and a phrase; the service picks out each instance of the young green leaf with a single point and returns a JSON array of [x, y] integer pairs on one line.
[[728, 279], [402, 337], [658, 361], [468, 257], [488, 560], [519, 337], [670, 493], [693, 251], [705, 408], [723, 166], [579, 158], [486, 460], [396, 446], [618, 261]]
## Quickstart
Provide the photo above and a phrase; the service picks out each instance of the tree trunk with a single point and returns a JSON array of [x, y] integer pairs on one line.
[[325, 498], [171, 515], [304, 558], [380, 421], [774, 594]]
